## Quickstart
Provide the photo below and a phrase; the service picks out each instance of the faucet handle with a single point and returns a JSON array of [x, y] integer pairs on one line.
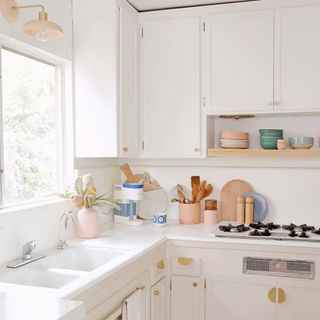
[[28, 247], [32, 243]]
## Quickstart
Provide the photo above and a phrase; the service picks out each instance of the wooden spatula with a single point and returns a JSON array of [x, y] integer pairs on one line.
[[195, 183]]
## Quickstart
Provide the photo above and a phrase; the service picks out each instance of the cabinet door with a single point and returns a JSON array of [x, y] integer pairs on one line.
[[170, 88], [185, 298], [95, 74], [158, 301], [129, 146], [297, 63], [238, 301], [297, 303], [238, 68]]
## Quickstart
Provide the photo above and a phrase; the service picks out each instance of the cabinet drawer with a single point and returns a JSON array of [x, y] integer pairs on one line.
[[185, 266], [158, 271]]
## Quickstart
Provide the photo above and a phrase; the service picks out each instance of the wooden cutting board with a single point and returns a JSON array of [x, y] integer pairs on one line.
[[229, 193]]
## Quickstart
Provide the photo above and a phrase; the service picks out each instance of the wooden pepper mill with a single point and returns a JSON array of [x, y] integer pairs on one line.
[[249, 210]]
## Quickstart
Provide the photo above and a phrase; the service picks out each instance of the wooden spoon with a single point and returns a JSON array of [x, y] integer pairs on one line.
[[209, 189]]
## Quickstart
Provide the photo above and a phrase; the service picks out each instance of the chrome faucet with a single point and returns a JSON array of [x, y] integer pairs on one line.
[[27, 250], [27, 257], [65, 219]]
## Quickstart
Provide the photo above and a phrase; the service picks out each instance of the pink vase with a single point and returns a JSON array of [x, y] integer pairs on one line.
[[87, 223]]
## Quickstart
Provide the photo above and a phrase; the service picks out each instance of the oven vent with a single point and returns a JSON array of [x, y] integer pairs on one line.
[[257, 264], [279, 268], [299, 266]]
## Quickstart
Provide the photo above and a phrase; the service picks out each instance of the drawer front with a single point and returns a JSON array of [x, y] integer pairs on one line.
[[158, 271], [186, 266]]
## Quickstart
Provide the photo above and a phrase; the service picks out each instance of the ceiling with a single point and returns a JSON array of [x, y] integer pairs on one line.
[[146, 5]]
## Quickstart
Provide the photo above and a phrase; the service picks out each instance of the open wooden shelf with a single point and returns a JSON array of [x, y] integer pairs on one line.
[[262, 153]]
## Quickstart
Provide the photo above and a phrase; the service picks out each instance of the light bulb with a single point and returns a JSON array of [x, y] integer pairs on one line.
[[42, 35]]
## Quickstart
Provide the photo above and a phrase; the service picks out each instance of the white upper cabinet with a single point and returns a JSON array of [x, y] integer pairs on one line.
[[95, 68], [129, 145], [170, 88], [297, 62], [238, 62]]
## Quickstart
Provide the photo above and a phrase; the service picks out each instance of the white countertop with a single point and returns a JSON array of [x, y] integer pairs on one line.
[[37, 307], [136, 241]]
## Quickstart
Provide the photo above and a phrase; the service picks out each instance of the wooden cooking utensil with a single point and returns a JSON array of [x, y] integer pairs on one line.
[[180, 188], [148, 184], [180, 196], [195, 183], [228, 196], [202, 191], [131, 178], [209, 190]]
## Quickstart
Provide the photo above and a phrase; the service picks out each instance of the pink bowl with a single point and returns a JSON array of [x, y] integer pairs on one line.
[[233, 135]]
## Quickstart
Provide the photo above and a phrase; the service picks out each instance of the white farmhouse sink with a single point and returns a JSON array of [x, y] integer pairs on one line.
[[59, 268], [80, 259], [37, 278]]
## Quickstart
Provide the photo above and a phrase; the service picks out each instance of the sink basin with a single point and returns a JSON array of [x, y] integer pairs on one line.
[[37, 278], [80, 259], [60, 268]]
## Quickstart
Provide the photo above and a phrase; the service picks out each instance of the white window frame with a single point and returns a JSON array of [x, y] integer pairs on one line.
[[64, 114]]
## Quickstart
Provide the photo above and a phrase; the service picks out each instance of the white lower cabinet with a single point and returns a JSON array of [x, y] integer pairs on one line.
[[185, 298], [158, 301], [231, 300], [297, 303], [241, 300]]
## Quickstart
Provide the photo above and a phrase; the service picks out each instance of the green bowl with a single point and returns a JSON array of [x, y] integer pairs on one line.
[[276, 136], [270, 139], [269, 145], [271, 132]]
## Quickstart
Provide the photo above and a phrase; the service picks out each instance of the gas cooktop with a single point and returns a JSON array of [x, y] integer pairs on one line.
[[270, 231]]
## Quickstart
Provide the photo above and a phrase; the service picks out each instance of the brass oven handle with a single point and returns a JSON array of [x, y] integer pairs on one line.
[[281, 296], [272, 295]]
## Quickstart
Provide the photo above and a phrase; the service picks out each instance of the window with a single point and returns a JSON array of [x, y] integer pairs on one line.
[[31, 128]]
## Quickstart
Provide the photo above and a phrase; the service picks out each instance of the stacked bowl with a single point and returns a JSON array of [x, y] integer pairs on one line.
[[234, 140], [269, 138]]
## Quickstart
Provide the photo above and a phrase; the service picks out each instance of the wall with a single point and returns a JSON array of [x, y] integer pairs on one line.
[[59, 11], [19, 225], [291, 193]]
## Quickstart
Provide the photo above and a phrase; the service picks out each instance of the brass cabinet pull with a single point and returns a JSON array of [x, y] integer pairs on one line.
[[156, 293], [272, 295], [196, 149], [125, 149], [185, 261], [281, 296], [160, 265], [195, 284]]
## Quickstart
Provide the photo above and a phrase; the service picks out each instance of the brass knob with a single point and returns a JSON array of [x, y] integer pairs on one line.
[[281, 296], [196, 149], [185, 261], [125, 149], [195, 284], [272, 295], [160, 265], [156, 293], [270, 104]]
